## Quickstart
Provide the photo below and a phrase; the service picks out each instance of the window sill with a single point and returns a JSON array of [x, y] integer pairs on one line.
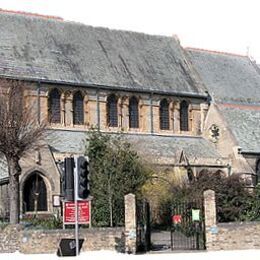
[[68, 127]]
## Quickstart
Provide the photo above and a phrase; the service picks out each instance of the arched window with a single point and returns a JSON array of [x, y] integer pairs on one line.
[[164, 115], [54, 106], [184, 116], [112, 114], [133, 113], [78, 109], [35, 193], [257, 170]]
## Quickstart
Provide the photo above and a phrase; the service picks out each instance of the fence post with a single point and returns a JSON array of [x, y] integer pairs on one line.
[[130, 223], [211, 228]]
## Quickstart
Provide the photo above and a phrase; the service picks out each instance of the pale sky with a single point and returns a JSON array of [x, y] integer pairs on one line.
[[223, 25]]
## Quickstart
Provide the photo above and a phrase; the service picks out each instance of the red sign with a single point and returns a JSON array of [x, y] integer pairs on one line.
[[83, 212], [176, 219]]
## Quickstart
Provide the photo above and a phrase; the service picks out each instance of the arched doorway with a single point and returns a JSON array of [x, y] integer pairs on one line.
[[35, 193]]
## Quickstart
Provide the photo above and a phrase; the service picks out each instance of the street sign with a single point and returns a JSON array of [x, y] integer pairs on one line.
[[83, 212]]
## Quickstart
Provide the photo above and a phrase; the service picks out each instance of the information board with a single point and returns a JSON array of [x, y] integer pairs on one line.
[[83, 212]]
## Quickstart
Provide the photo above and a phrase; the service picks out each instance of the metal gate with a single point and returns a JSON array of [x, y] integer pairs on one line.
[[143, 226], [187, 225]]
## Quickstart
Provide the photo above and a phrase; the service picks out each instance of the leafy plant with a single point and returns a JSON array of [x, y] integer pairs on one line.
[[116, 170], [43, 223], [235, 202]]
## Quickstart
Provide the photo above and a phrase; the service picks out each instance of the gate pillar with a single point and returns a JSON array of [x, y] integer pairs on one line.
[[210, 217], [130, 223]]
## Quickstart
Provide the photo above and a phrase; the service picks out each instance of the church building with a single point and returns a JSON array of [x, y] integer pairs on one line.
[[184, 110]]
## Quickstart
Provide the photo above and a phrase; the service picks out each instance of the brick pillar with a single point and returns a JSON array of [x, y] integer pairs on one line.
[[86, 111], [68, 106], [130, 223], [203, 113], [211, 228], [176, 118], [63, 100], [125, 113]]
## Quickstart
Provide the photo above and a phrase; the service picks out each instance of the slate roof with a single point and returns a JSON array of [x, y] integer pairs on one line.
[[228, 77], [244, 122], [67, 141], [162, 149], [73, 53], [158, 148]]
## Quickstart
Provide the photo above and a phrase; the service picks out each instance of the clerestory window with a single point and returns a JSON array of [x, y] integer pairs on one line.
[[54, 106], [184, 116], [133, 113], [164, 115], [112, 111], [78, 108], [257, 172]]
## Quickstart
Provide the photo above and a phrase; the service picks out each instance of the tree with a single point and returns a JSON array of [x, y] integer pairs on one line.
[[20, 131], [115, 170]]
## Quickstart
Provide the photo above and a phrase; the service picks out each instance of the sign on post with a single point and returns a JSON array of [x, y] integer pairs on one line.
[[83, 212], [195, 214], [176, 219]]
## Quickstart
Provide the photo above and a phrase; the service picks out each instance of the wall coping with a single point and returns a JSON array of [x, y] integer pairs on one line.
[[238, 224]]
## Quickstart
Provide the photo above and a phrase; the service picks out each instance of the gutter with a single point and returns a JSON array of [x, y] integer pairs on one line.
[[201, 165], [249, 153]]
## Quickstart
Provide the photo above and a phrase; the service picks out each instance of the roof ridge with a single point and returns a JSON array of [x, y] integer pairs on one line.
[[215, 51], [64, 20], [31, 14]]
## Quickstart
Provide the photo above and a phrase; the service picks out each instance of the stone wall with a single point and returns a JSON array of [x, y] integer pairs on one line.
[[245, 235], [15, 238], [35, 241], [4, 201], [228, 236], [10, 239]]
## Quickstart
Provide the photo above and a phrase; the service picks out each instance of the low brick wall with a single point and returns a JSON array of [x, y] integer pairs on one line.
[[10, 239], [30, 241], [14, 238], [230, 236]]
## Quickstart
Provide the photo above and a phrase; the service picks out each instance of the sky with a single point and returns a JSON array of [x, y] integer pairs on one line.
[[222, 25]]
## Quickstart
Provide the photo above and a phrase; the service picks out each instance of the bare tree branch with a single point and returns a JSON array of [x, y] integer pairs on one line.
[[20, 131]]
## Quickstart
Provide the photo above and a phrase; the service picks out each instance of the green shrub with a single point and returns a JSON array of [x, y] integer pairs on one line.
[[42, 223], [234, 201]]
